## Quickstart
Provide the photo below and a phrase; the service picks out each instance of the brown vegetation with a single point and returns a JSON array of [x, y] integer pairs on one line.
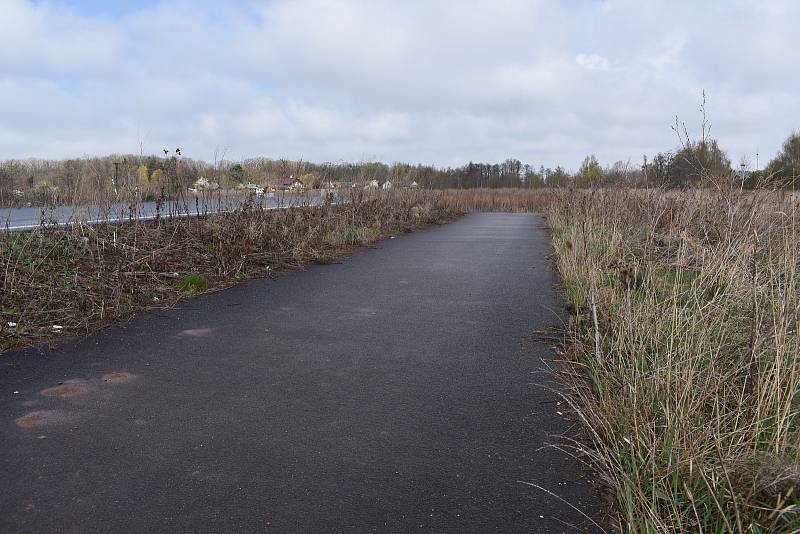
[[508, 200], [70, 281], [685, 361]]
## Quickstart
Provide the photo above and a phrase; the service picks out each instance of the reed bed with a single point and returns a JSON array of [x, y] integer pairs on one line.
[[503, 200], [685, 361], [70, 281]]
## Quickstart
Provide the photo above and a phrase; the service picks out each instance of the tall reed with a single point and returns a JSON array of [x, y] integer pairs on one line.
[[505, 200]]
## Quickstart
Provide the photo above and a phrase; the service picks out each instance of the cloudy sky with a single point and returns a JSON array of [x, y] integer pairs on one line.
[[429, 81]]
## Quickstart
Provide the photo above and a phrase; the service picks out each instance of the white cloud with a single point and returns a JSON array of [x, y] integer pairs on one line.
[[50, 39], [441, 81], [592, 61]]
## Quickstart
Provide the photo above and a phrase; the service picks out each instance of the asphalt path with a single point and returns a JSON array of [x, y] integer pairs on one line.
[[398, 391]]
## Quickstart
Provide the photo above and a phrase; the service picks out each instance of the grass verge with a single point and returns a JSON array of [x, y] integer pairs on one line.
[[62, 282]]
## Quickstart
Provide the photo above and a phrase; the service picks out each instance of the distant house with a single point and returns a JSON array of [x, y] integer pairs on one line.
[[203, 184], [250, 186], [413, 185], [371, 185], [386, 185], [291, 183]]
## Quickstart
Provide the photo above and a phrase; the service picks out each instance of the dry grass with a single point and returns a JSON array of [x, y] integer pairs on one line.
[[689, 379], [506, 200], [60, 282]]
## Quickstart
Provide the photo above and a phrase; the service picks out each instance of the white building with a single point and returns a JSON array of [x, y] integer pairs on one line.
[[203, 184]]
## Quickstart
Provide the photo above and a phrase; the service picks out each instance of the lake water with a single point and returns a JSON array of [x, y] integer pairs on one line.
[[26, 218]]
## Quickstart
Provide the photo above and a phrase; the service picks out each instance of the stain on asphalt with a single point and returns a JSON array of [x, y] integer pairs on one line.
[[41, 418], [70, 388], [117, 378], [197, 332]]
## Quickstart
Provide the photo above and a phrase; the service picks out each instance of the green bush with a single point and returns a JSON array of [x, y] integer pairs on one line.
[[193, 284]]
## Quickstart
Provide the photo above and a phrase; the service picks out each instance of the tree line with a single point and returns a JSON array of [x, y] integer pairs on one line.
[[119, 176]]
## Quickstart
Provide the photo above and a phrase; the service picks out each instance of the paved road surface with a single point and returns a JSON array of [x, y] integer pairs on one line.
[[395, 392]]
